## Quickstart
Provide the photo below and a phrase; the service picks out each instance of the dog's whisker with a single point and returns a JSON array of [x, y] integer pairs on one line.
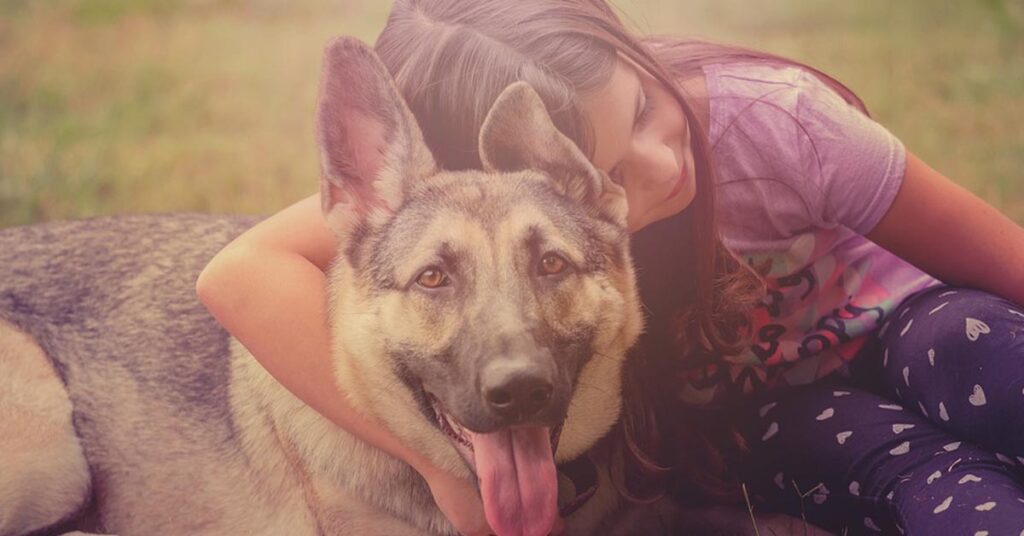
[[349, 313], [606, 356], [597, 388]]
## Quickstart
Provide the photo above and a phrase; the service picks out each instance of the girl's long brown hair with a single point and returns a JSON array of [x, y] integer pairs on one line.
[[451, 59]]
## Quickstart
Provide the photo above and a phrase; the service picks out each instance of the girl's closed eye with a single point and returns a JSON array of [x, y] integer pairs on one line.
[[647, 108], [645, 113]]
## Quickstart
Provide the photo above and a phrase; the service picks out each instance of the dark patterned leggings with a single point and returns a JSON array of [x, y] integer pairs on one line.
[[925, 438]]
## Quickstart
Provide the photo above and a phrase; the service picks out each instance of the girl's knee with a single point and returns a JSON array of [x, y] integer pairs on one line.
[[950, 321]]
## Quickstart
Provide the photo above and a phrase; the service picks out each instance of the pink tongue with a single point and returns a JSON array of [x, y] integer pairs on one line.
[[517, 480]]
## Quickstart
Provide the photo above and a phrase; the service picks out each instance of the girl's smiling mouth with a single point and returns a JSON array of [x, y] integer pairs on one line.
[[680, 182]]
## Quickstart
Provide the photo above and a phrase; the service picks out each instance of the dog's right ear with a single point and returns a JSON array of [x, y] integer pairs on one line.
[[371, 149], [518, 134]]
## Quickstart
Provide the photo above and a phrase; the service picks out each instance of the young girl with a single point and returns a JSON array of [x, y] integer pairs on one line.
[[793, 257]]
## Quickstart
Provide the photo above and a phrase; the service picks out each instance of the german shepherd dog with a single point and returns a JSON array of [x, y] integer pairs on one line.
[[482, 316]]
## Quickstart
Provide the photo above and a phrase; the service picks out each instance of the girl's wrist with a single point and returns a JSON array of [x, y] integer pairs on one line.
[[415, 459], [434, 475], [423, 466]]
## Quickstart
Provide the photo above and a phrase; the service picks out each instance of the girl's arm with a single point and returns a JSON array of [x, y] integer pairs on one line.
[[268, 289], [945, 230]]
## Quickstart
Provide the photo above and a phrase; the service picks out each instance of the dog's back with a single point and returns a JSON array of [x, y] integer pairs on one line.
[[82, 287], [111, 303], [114, 298]]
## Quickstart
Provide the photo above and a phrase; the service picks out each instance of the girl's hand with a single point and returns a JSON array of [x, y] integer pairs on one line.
[[459, 501]]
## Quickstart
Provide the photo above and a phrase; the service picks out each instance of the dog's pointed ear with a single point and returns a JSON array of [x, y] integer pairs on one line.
[[371, 149], [518, 134]]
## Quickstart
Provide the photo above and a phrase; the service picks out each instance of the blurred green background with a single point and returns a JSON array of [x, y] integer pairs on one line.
[[111, 106]]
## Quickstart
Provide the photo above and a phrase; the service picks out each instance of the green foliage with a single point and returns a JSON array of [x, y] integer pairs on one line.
[[207, 105], [107, 11]]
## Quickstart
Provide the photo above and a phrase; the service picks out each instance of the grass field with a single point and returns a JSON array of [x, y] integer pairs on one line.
[[111, 106]]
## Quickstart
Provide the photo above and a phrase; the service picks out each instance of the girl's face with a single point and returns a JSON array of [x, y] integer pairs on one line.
[[643, 143]]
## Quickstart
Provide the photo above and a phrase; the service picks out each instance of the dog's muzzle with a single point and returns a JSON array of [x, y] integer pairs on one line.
[[460, 435]]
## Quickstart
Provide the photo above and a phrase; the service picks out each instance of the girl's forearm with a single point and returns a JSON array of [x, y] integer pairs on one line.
[[276, 308]]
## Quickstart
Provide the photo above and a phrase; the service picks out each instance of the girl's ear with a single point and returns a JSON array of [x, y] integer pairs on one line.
[[518, 134], [371, 149]]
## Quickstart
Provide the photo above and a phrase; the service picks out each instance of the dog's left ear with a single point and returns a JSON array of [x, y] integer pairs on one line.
[[518, 134], [372, 151]]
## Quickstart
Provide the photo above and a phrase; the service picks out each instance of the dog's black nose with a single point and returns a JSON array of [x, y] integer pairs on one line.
[[516, 391]]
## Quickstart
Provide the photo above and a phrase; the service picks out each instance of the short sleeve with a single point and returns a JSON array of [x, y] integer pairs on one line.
[[857, 164]]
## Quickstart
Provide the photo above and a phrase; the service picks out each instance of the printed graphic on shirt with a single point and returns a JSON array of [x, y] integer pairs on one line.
[[822, 302]]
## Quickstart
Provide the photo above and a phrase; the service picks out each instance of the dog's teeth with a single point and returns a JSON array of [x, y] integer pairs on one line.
[[449, 426]]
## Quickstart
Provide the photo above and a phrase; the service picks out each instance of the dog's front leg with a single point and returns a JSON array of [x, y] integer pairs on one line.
[[344, 514]]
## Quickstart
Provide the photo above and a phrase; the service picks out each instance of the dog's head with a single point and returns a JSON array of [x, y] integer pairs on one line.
[[482, 310]]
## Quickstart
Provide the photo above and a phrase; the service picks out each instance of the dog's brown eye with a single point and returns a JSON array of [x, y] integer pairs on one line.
[[552, 264], [432, 278]]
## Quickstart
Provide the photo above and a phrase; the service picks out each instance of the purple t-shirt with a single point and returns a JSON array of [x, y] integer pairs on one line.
[[802, 176]]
